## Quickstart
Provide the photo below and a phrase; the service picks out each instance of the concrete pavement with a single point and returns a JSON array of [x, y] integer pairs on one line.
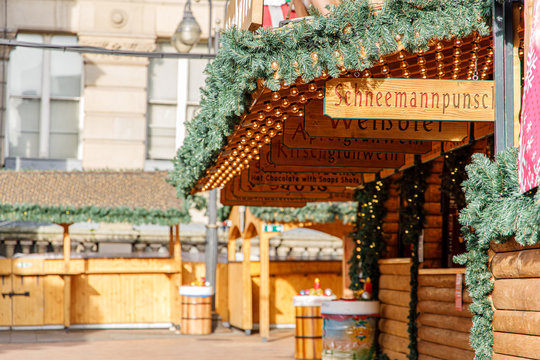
[[224, 344]]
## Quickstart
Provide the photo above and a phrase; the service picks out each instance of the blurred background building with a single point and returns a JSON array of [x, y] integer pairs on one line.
[[69, 111]]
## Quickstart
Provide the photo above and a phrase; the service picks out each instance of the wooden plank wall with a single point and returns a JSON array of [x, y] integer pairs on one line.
[[394, 296], [433, 225], [443, 331], [103, 291], [287, 278], [391, 221], [516, 299]]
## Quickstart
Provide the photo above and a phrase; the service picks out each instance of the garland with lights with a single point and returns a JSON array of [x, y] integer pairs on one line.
[[454, 174], [495, 211], [313, 212], [368, 235], [352, 36], [412, 187]]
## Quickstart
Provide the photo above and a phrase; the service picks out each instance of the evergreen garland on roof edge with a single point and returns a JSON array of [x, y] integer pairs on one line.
[[496, 211], [357, 33], [70, 214], [321, 213]]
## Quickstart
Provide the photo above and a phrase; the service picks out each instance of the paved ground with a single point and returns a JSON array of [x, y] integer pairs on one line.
[[224, 344]]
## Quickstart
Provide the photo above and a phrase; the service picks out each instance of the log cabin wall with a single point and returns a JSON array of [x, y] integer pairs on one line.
[[394, 296], [391, 221], [433, 236], [516, 300], [443, 331]]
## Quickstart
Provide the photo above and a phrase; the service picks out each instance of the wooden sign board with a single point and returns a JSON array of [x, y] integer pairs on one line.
[[300, 192], [265, 164], [257, 176], [294, 136], [227, 197], [244, 14], [282, 155], [316, 124], [410, 99]]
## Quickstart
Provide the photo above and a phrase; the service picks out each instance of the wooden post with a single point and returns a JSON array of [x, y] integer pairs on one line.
[[171, 242], [247, 311], [67, 277], [264, 290], [176, 276]]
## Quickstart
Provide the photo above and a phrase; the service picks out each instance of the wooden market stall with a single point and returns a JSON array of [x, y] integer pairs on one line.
[[285, 278], [380, 108], [66, 290]]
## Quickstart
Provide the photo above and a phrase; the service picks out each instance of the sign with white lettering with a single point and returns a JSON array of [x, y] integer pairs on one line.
[[410, 99], [244, 14], [257, 176], [318, 125]]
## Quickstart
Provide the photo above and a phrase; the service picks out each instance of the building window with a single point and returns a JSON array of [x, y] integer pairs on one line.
[[44, 90], [162, 106], [173, 99]]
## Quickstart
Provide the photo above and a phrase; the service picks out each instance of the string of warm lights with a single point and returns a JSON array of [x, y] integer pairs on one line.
[[271, 109]]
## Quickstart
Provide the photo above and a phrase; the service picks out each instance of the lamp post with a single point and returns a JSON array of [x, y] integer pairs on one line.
[[187, 34]]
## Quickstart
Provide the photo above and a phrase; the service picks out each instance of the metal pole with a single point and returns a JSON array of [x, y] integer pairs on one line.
[[498, 45], [211, 242], [209, 26]]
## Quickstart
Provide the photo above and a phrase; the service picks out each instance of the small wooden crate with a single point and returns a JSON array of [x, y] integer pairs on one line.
[[308, 337], [196, 315]]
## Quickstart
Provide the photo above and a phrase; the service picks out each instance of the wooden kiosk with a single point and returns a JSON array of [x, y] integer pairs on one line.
[[287, 277], [61, 291], [366, 103]]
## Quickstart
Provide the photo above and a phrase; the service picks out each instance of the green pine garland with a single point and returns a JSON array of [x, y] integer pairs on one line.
[[495, 211], [368, 235], [412, 187], [351, 29], [70, 214], [314, 212]]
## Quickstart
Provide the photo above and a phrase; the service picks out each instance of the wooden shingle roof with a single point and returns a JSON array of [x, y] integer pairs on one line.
[[101, 196]]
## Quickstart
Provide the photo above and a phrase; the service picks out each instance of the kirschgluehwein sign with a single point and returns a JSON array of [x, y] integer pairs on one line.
[[282, 155], [410, 99], [318, 125]]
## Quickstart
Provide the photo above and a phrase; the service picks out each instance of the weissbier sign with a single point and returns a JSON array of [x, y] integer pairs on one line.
[[294, 136], [317, 124]]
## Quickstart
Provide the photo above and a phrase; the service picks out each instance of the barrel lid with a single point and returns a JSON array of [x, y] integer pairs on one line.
[[311, 300], [202, 291], [350, 307]]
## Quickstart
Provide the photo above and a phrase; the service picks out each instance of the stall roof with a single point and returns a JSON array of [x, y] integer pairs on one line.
[[101, 196], [252, 70]]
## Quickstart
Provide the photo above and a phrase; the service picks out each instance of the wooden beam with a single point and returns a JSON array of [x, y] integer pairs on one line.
[[67, 278], [247, 311], [171, 242], [264, 290]]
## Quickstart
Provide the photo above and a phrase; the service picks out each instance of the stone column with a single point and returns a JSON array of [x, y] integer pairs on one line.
[[10, 247], [115, 105], [26, 246]]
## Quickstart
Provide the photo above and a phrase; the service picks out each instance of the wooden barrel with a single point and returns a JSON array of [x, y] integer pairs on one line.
[[196, 315], [308, 337]]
